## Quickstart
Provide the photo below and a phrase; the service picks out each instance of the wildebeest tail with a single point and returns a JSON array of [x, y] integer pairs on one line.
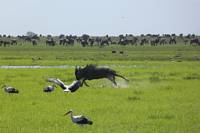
[[121, 77], [90, 122]]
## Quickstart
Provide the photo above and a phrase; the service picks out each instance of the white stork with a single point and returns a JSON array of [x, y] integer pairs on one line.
[[49, 88], [79, 119], [10, 89], [67, 88]]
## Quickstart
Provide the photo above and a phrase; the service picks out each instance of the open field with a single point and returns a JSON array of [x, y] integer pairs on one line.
[[161, 97], [62, 55]]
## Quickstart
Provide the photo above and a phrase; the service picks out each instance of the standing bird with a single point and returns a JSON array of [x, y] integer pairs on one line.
[[9, 89], [49, 88], [67, 88], [79, 119]]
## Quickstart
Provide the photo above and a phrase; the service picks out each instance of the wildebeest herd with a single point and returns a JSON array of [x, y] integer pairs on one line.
[[86, 40]]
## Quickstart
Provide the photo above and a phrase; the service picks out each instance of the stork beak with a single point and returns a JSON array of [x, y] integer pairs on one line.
[[3, 86], [67, 113]]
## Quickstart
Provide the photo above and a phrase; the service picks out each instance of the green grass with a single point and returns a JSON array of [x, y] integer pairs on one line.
[[61, 55], [161, 97]]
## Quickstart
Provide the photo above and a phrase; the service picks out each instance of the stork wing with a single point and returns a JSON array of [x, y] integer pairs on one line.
[[58, 82], [84, 120], [75, 85], [79, 118]]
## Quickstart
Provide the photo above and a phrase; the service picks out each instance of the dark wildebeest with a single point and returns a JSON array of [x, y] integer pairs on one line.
[[13, 42], [91, 41], [84, 42], [172, 40], [50, 42], [90, 72], [123, 41], [154, 41], [1, 42], [194, 41], [104, 42], [114, 51], [34, 42], [6, 43]]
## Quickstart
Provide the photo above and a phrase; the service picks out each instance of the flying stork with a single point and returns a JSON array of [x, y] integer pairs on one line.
[[79, 119], [67, 88], [9, 89]]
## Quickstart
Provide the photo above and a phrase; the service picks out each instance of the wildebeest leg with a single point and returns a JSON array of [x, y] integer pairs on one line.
[[112, 79], [85, 83]]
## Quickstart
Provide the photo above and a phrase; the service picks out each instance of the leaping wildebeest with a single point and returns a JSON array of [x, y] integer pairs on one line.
[[90, 72]]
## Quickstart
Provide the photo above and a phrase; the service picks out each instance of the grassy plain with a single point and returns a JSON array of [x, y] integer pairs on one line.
[[161, 97]]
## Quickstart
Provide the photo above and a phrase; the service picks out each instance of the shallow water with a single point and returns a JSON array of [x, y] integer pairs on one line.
[[72, 66], [34, 67]]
